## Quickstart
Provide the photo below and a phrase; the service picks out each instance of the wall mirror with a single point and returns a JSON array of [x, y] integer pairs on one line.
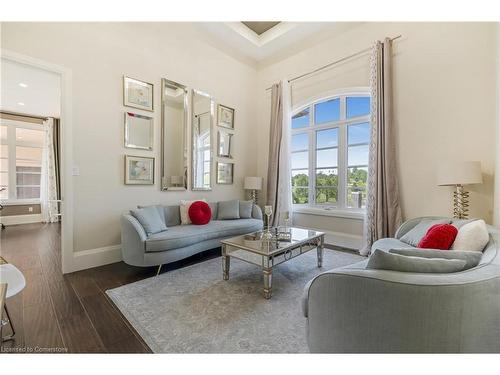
[[224, 144], [174, 151], [201, 130], [138, 131]]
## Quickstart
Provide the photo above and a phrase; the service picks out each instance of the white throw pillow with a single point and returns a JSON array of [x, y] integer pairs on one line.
[[472, 237], [184, 208]]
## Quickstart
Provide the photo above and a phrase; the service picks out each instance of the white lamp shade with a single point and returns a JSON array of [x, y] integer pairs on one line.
[[459, 173], [253, 183]]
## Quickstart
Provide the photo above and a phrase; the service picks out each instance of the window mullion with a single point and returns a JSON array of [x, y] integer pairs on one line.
[[342, 157], [312, 158], [11, 139]]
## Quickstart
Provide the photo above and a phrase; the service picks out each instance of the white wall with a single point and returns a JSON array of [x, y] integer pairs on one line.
[[496, 211], [99, 54], [444, 101]]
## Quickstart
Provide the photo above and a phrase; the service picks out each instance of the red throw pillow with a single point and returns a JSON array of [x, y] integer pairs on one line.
[[200, 213], [439, 236]]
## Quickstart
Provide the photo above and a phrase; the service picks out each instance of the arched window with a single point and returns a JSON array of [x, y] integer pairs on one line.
[[330, 141]]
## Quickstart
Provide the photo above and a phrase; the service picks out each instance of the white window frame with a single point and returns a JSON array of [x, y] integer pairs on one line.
[[11, 142], [340, 209]]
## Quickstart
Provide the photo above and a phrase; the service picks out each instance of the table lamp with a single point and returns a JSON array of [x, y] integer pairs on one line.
[[254, 184], [458, 174]]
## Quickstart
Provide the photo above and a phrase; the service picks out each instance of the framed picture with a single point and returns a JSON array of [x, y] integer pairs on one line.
[[225, 116], [139, 170], [224, 144], [137, 94], [138, 131], [225, 173]]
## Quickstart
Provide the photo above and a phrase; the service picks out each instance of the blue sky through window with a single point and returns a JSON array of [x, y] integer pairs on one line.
[[327, 111], [357, 106], [327, 138], [300, 142], [358, 133], [301, 119]]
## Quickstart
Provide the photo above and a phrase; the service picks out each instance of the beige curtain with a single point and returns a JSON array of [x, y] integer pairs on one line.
[[383, 212], [279, 194]]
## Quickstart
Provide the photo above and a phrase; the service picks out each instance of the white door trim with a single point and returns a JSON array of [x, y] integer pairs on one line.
[[66, 149]]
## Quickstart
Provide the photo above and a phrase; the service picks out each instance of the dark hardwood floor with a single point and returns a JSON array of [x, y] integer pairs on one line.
[[69, 313]]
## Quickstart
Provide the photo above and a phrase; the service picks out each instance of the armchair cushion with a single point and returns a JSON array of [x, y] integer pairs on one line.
[[414, 236], [382, 260], [472, 258]]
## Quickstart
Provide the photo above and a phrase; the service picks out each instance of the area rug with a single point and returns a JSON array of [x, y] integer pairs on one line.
[[192, 310]]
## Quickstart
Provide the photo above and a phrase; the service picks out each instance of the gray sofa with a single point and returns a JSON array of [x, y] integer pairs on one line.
[[356, 310], [179, 241]]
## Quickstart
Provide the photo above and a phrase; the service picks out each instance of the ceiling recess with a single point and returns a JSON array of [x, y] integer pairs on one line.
[[260, 28]]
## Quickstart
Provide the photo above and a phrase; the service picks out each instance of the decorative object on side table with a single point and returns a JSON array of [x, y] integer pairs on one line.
[[225, 173], [138, 131], [253, 184], [267, 235], [458, 174], [137, 94], [224, 144], [225, 116], [139, 170]]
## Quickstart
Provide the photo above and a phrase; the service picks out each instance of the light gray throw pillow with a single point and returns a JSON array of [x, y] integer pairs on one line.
[[214, 209], [229, 210], [413, 236], [161, 211], [150, 219], [246, 209], [380, 260], [472, 258]]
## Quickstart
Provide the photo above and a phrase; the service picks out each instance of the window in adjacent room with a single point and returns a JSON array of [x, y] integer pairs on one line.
[[21, 159], [330, 140]]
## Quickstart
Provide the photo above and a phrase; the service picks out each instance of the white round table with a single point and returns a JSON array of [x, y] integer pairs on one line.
[[10, 275]]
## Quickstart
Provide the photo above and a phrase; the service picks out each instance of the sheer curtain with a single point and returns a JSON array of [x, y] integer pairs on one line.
[[279, 194], [48, 180], [383, 212]]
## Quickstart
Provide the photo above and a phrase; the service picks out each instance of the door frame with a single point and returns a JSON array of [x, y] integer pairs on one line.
[[66, 149]]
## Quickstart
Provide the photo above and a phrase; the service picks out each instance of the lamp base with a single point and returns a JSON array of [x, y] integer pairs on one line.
[[253, 196], [460, 203]]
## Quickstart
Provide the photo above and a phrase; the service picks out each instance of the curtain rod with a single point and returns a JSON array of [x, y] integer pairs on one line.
[[23, 115], [333, 63]]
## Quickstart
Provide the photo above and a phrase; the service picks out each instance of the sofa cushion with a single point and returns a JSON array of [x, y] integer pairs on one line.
[[381, 260], [413, 236], [185, 235], [246, 209], [150, 219], [472, 237], [184, 208], [472, 258], [200, 213], [160, 211], [387, 244], [439, 236], [229, 210], [214, 209], [172, 215]]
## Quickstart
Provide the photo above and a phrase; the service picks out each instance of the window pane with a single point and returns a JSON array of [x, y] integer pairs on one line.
[[358, 133], [327, 111], [356, 187], [301, 119], [4, 151], [357, 106], [30, 135], [300, 160], [4, 165], [28, 156], [300, 195], [4, 194], [3, 133], [300, 142], [4, 179], [326, 195], [326, 158], [300, 178], [28, 192], [357, 155], [327, 138], [27, 179]]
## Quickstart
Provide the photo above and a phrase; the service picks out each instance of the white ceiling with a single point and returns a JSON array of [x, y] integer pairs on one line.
[[41, 95], [280, 41]]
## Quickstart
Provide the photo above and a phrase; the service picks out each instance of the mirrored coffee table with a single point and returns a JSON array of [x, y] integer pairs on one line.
[[255, 249]]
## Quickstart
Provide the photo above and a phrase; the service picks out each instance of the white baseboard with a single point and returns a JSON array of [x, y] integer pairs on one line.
[[346, 240], [96, 257], [20, 219]]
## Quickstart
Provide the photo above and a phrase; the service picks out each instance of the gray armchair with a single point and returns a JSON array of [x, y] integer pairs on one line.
[[357, 310]]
